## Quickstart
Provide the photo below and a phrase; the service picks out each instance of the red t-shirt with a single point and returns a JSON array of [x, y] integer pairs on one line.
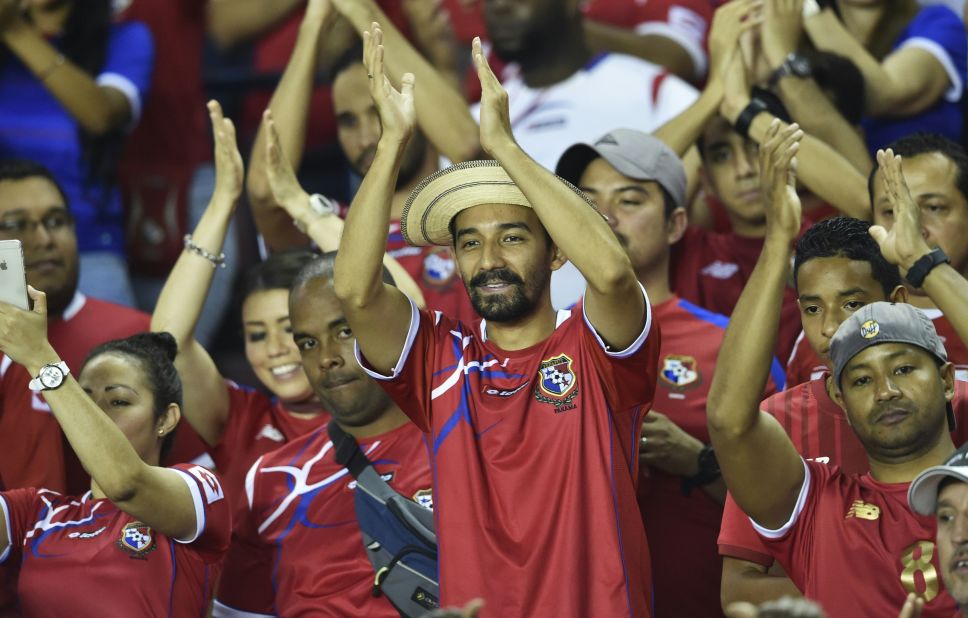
[[85, 557], [435, 271], [302, 508], [711, 269], [805, 365], [854, 545], [535, 456], [256, 425], [819, 431], [33, 451], [682, 530]]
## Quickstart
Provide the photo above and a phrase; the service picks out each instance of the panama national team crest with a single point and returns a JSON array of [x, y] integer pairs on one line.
[[439, 267], [680, 372], [557, 383], [425, 498], [137, 540]]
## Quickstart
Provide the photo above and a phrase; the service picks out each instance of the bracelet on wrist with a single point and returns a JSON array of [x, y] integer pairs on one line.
[[708, 471], [320, 207], [217, 261]]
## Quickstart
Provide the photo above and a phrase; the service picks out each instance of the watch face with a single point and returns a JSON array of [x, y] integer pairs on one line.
[[800, 67], [51, 377]]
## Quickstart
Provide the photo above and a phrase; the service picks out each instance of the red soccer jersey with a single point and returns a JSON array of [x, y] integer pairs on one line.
[[711, 269], [535, 456], [85, 557], [805, 365], [684, 21], [854, 545], [819, 430], [302, 508], [33, 452], [435, 271], [256, 425]]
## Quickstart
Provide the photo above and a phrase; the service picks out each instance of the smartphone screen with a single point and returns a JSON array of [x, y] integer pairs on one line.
[[13, 278]]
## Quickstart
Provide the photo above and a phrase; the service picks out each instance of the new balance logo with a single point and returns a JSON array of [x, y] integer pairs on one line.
[[720, 270], [863, 510]]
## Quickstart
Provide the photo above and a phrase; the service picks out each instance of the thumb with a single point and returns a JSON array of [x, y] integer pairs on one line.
[[406, 84], [39, 298], [879, 234]]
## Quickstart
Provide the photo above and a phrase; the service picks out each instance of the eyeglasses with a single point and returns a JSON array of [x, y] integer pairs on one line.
[[15, 227]]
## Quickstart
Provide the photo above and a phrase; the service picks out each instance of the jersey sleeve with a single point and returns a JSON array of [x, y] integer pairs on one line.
[[213, 513], [940, 31], [129, 64], [409, 382], [19, 508], [628, 375], [792, 543], [738, 539], [686, 22], [670, 97]]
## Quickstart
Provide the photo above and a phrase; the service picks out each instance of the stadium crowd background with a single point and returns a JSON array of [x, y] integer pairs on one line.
[[121, 128]]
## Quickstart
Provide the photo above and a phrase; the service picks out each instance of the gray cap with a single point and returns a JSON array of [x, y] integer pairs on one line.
[[879, 323], [635, 154], [923, 492]]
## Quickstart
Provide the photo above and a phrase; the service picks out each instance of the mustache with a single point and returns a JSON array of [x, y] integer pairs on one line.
[[897, 406], [498, 275]]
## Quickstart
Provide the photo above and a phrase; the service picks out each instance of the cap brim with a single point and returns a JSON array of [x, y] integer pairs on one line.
[[923, 492], [439, 198]]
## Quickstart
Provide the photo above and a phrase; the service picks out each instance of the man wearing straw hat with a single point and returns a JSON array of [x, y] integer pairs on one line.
[[532, 415]]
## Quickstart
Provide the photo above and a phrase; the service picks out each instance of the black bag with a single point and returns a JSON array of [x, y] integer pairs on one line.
[[398, 533]]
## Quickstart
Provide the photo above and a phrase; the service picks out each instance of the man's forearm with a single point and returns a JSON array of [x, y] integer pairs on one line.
[[442, 113], [948, 289], [564, 212], [684, 130], [359, 262], [290, 107], [231, 22], [825, 172]]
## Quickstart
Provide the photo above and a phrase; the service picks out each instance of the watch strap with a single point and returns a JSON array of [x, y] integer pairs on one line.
[[708, 471], [925, 264], [746, 117], [36, 385]]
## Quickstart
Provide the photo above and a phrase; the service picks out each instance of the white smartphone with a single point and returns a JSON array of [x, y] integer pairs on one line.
[[13, 278]]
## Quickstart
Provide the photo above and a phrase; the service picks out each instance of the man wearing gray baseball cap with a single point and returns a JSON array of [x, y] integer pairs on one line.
[[640, 185]]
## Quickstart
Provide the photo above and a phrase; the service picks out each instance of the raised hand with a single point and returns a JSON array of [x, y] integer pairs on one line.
[[286, 190], [778, 180], [904, 243], [23, 334], [782, 29], [229, 171], [912, 607], [397, 112], [729, 22], [495, 117]]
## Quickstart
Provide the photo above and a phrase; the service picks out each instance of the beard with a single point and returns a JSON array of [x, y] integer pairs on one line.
[[518, 302]]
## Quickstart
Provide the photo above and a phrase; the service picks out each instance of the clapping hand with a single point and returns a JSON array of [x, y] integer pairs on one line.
[[229, 171], [495, 117], [782, 29], [285, 187], [778, 180], [730, 21], [397, 112], [904, 243]]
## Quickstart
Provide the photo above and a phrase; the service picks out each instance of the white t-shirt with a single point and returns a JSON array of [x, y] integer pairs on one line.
[[613, 91]]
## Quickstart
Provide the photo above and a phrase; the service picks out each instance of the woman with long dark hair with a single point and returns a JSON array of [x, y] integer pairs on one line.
[[71, 82]]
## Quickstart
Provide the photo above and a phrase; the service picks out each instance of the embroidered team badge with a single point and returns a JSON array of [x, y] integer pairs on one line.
[[439, 267], [557, 383], [137, 540], [424, 498], [680, 372]]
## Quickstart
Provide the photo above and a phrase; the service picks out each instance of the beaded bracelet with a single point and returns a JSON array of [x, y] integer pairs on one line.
[[216, 260]]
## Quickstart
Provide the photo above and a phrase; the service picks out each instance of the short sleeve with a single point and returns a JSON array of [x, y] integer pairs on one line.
[[738, 539], [19, 508], [686, 22], [213, 513], [940, 31], [628, 375], [129, 65], [409, 382]]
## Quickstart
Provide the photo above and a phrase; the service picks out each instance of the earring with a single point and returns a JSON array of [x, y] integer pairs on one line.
[[161, 432]]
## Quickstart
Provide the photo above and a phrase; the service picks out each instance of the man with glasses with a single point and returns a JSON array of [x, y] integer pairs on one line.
[[34, 210]]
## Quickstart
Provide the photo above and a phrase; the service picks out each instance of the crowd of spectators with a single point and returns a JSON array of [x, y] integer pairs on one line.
[[659, 307]]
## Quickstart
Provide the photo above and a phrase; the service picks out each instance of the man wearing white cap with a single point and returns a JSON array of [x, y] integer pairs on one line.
[[532, 415], [847, 541]]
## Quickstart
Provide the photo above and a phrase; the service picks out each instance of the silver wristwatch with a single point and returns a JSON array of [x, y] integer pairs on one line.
[[50, 377], [321, 206]]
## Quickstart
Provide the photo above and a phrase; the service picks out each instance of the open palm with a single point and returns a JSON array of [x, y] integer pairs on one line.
[[398, 114]]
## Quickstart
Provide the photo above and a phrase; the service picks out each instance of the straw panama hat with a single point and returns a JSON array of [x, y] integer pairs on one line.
[[438, 198]]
